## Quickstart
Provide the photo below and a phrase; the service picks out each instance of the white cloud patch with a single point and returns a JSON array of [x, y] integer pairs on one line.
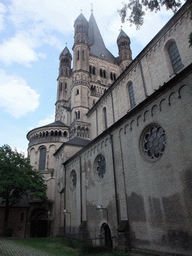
[[43, 22], [49, 119], [16, 97], [2, 12], [18, 49]]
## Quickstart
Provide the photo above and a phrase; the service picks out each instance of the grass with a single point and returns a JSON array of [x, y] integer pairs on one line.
[[55, 246], [52, 246]]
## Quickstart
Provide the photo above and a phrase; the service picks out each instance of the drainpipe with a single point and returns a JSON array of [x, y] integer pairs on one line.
[[81, 201], [123, 171], [113, 107], [96, 121], [64, 223], [115, 180]]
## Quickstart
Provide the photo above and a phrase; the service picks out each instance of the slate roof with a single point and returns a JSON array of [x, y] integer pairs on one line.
[[122, 34], [65, 52], [56, 123], [81, 17], [95, 41], [76, 141], [24, 202]]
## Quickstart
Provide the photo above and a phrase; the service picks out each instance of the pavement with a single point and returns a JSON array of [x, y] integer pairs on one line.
[[9, 248]]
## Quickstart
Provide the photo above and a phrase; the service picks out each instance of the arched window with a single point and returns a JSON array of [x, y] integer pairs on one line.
[[175, 57], [77, 93], [77, 114], [78, 55], [60, 87], [65, 86], [83, 55], [42, 158], [131, 94], [93, 70], [105, 118]]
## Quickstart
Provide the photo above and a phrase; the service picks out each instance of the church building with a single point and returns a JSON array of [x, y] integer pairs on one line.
[[117, 160]]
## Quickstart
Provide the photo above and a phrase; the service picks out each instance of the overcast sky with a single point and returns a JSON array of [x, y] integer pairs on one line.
[[32, 35]]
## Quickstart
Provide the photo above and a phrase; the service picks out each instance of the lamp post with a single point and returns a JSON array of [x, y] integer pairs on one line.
[[100, 207], [49, 227], [65, 211]]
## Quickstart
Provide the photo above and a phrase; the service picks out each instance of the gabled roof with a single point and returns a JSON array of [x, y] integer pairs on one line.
[[95, 41]]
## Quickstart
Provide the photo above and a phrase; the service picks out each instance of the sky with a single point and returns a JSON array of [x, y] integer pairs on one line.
[[32, 35]]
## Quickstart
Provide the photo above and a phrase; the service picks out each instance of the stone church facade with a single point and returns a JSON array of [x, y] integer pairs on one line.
[[117, 160]]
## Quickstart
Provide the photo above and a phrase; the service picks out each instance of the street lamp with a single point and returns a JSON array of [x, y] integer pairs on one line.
[[65, 211], [49, 227], [100, 207]]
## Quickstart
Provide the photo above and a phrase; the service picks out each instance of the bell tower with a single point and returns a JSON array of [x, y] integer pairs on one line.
[[125, 54], [63, 87], [80, 89]]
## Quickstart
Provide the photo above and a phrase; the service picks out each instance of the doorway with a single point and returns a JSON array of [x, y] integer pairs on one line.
[[106, 237]]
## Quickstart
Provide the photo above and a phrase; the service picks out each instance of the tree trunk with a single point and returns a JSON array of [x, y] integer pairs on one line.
[[7, 209]]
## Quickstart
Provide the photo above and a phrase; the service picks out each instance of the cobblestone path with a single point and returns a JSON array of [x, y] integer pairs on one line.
[[9, 248]]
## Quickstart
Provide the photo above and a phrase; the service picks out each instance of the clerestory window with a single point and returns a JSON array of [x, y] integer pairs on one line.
[[175, 57]]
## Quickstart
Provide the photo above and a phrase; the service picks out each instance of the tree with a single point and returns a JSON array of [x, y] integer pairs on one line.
[[137, 14], [17, 178]]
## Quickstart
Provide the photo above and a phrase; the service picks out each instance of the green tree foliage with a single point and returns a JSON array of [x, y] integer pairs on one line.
[[136, 9], [136, 16], [17, 178]]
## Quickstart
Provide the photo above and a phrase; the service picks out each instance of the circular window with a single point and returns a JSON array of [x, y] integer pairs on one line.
[[73, 179], [153, 142], [100, 166]]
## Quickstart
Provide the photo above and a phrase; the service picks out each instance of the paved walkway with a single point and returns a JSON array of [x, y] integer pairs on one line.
[[9, 248]]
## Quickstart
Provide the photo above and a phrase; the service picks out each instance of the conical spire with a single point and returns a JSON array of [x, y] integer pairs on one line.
[[96, 43], [122, 34], [65, 52], [81, 18]]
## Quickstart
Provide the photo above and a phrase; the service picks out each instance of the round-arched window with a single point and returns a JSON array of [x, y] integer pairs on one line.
[[73, 179], [100, 166], [153, 142]]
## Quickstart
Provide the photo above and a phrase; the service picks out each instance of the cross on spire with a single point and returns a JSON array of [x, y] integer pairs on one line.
[[91, 7]]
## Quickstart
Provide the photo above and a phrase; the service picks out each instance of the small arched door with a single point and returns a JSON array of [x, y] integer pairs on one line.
[[39, 225], [106, 237]]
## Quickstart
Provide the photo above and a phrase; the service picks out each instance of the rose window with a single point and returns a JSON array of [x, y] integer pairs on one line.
[[154, 142]]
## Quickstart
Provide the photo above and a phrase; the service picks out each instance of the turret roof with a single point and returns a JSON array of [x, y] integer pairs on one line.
[[81, 17], [97, 46], [122, 34], [65, 52]]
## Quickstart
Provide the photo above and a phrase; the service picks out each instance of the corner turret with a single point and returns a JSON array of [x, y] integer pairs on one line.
[[125, 54], [64, 86]]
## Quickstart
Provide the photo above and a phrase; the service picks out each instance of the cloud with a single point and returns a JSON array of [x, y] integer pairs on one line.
[[18, 49], [2, 12], [16, 97], [49, 119], [51, 22]]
